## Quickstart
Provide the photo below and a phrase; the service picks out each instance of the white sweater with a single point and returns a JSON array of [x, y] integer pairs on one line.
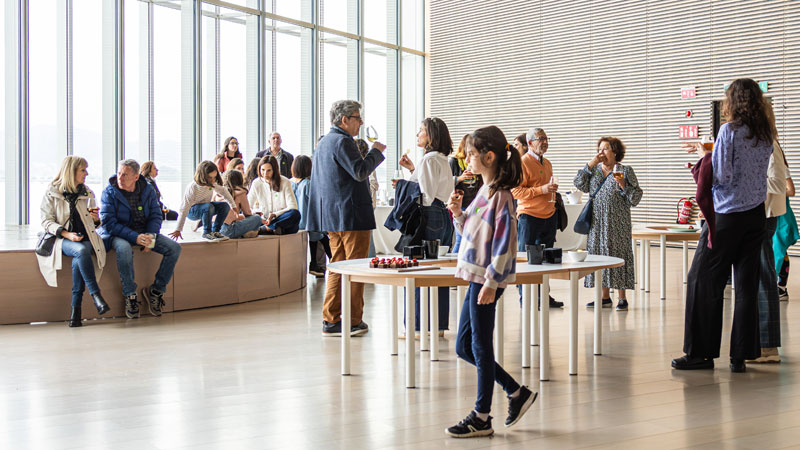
[[434, 177], [262, 198], [195, 195]]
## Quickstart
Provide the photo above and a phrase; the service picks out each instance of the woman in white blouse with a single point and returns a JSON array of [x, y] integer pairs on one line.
[[271, 195], [436, 184]]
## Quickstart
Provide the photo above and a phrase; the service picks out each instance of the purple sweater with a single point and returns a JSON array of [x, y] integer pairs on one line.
[[488, 252]]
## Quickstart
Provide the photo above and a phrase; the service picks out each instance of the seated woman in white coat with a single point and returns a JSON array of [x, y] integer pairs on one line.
[[68, 211], [271, 195]]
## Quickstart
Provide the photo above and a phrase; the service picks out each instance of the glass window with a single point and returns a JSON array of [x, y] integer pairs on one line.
[[413, 103], [135, 67], [413, 31], [294, 9], [47, 148], [380, 20], [380, 105], [340, 15], [87, 92], [233, 83], [293, 88], [167, 102], [339, 73]]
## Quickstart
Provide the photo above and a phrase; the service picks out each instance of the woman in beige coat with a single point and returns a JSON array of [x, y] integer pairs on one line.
[[68, 211]]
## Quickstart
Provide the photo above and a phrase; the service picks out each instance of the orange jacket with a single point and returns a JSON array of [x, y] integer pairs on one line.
[[530, 199]]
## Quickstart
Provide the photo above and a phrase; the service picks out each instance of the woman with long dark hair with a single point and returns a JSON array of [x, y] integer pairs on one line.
[[230, 150], [740, 158], [271, 194]]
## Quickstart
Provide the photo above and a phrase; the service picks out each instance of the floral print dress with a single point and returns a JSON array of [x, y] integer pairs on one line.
[[610, 234]]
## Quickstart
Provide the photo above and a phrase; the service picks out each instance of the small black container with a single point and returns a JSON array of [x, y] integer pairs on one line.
[[552, 255], [414, 252], [431, 249], [535, 253]]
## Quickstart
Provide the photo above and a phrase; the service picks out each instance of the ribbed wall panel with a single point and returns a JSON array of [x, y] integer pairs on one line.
[[585, 69]]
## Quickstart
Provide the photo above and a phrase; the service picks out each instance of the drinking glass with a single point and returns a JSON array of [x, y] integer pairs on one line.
[[91, 206], [398, 174], [372, 134], [619, 175], [553, 180], [708, 142], [471, 180]]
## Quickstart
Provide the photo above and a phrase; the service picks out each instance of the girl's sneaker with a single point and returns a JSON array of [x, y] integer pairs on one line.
[[209, 236], [220, 236], [517, 407], [472, 426]]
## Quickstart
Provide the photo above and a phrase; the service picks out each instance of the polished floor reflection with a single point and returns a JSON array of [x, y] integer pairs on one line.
[[259, 375]]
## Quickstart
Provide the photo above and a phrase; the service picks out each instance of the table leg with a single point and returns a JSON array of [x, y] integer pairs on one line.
[[435, 323], [663, 266], [573, 323], [598, 312], [423, 319], [393, 318], [534, 313], [345, 324], [461, 292], [526, 325], [498, 342], [544, 331], [410, 346], [646, 267], [636, 278], [640, 270], [685, 261]]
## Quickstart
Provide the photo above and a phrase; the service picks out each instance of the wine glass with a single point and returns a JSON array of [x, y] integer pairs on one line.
[[553, 180], [619, 175], [372, 134], [398, 174], [707, 142]]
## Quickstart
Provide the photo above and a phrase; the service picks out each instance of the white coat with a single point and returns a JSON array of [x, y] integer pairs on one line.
[[55, 214]]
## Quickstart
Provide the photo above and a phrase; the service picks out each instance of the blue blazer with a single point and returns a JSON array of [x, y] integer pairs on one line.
[[115, 212], [339, 198]]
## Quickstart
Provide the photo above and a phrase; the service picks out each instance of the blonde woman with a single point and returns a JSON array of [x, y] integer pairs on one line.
[[68, 211]]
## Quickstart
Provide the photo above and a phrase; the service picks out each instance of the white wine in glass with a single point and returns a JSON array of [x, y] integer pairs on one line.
[[619, 174], [553, 180], [372, 134]]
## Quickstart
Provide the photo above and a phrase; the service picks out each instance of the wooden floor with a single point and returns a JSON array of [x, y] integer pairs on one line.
[[259, 375]]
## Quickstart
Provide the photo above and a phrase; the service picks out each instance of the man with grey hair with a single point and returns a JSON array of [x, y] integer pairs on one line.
[[131, 216], [536, 212], [340, 203], [285, 159]]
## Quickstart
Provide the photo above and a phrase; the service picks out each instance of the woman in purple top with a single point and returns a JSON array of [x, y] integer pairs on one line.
[[739, 160]]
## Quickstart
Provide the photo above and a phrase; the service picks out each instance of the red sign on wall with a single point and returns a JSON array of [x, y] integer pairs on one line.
[[688, 92], [688, 132]]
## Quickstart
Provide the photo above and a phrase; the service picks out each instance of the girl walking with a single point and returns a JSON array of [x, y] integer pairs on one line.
[[487, 259]]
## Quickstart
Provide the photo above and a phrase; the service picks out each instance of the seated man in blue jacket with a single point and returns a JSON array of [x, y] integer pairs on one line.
[[131, 215]]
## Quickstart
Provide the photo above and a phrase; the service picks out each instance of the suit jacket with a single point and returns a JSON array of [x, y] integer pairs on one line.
[[339, 198]]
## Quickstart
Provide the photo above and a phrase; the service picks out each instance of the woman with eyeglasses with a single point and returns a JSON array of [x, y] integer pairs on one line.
[[230, 150]]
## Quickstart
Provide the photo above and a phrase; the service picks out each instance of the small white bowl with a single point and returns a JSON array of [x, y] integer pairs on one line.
[[575, 256], [443, 250]]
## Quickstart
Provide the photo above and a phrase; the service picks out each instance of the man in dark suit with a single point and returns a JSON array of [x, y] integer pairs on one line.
[[285, 159], [340, 203]]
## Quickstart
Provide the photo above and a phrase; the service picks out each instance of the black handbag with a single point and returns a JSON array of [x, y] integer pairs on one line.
[[44, 247], [584, 222], [561, 211]]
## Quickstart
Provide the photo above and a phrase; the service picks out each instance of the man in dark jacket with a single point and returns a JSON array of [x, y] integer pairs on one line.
[[339, 202], [285, 159], [131, 215]]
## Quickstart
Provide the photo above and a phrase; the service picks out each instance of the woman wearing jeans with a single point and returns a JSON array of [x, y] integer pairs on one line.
[[69, 212], [436, 184], [197, 204]]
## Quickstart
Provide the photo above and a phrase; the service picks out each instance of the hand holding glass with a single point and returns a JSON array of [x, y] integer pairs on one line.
[[554, 186], [619, 174]]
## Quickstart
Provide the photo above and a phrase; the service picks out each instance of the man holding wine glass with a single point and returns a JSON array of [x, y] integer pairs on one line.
[[536, 211]]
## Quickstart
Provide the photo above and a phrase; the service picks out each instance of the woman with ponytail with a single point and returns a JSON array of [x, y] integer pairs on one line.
[[487, 259]]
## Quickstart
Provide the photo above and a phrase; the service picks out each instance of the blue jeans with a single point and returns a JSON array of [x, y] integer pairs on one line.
[[165, 246], [474, 345], [82, 268], [439, 226], [289, 222], [205, 211], [239, 228], [533, 230]]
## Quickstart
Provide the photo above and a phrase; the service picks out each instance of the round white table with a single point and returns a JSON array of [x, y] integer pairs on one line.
[[358, 270], [648, 233]]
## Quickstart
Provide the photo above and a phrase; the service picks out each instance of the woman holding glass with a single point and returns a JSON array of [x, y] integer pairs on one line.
[[435, 181], [610, 235], [68, 211]]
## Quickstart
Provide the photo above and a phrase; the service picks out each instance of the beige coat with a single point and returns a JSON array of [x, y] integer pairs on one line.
[[55, 214], [776, 183]]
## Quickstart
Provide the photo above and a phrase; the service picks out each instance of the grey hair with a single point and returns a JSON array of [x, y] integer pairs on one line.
[[343, 108], [531, 134], [129, 163]]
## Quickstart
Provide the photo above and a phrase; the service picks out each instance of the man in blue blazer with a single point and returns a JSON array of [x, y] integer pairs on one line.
[[339, 202]]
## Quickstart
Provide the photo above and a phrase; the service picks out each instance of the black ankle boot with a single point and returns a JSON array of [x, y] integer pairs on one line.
[[75, 317], [737, 365], [100, 304]]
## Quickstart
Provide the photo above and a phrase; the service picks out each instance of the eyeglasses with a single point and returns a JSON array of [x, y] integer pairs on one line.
[[542, 139], [360, 119]]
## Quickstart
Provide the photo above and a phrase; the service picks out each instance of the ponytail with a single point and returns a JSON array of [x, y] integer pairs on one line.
[[508, 163]]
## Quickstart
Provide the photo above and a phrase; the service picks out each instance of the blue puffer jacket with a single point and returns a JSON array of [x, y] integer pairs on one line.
[[115, 212]]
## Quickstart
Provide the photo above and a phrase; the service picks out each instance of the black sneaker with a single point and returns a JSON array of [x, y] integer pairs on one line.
[[622, 305], [331, 329], [360, 329], [472, 426], [155, 300], [783, 294], [517, 407], [132, 307], [607, 303], [555, 303]]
